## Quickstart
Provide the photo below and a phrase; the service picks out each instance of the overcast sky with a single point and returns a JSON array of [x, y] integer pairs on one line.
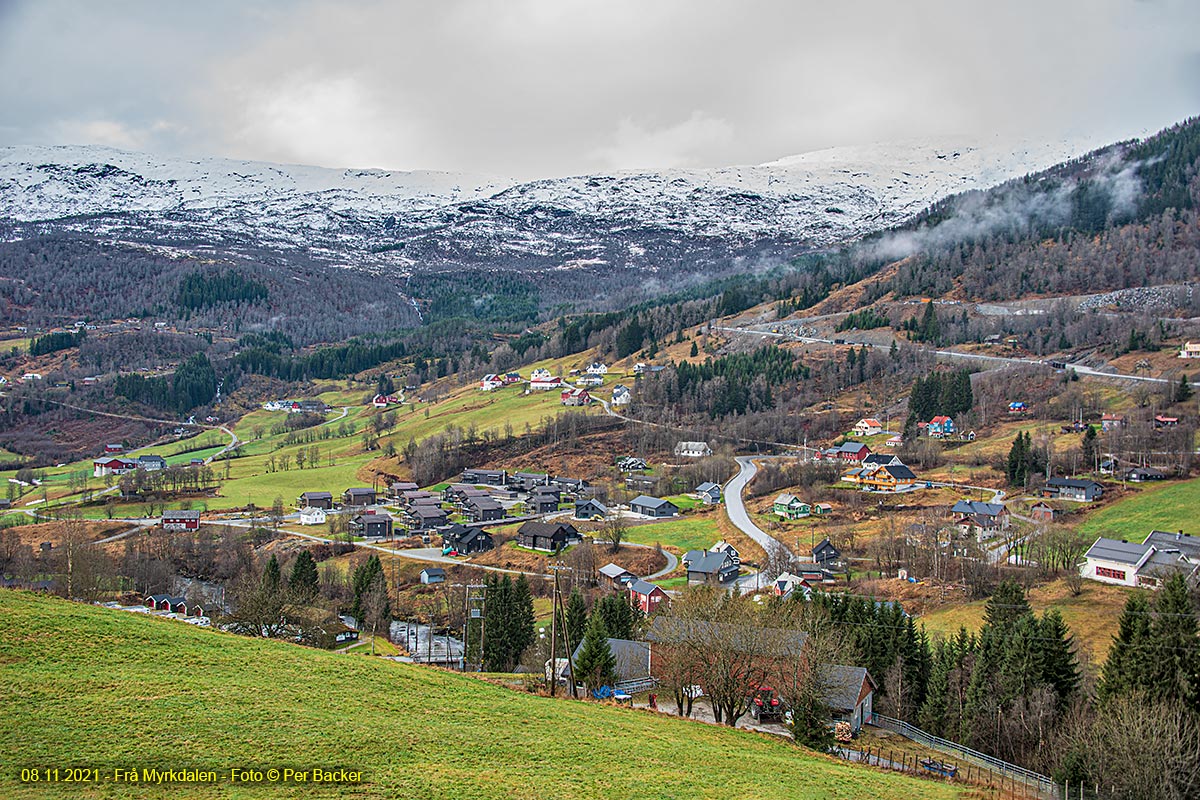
[[552, 87]]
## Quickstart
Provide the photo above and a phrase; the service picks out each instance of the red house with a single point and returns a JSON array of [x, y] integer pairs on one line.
[[113, 448], [646, 596], [575, 397], [181, 520]]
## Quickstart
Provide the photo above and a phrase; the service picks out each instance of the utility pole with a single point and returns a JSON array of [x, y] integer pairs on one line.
[[552, 672]]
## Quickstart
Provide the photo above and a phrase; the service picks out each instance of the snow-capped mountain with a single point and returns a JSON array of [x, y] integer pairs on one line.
[[675, 220]]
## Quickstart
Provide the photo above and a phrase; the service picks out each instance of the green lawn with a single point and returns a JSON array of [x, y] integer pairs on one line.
[[87, 686], [1168, 507], [684, 533]]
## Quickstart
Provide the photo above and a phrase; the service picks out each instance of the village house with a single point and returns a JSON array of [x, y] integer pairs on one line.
[[528, 481], [181, 520], [646, 596], [705, 566], [490, 382], [571, 486], [543, 500], [890, 478], [484, 509], [432, 575], [397, 488], [112, 466], [372, 526], [589, 380], [693, 450], [825, 554], [358, 497], [621, 396], [417, 497], [894, 441], [847, 451], [1163, 421], [653, 507], [485, 477], [151, 463], [616, 576], [940, 427], [632, 664], [709, 493], [1017, 407], [723, 546], [1109, 422], [312, 516], [789, 506], [631, 464], [1072, 489], [427, 517], [316, 500], [983, 520], [540, 380], [882, 460], [597, 368], [1190, 350], [1143, 474], [590, 509], [867, 426], [114, 448], [849, 695], [166, 602], [308, 407], [549, 537], [1042, 511], [575, 397], [1162, 555], [466, 540]]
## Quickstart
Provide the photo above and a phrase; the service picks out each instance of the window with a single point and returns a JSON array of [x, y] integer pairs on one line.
[[1115, 574]]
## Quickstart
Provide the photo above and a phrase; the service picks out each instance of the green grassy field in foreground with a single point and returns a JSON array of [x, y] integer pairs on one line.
[[86, 686]]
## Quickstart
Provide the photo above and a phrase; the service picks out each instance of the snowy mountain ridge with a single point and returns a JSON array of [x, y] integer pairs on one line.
[[701, 220]]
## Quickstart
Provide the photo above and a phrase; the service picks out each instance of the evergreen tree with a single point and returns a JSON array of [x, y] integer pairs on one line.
[[576, 618], [596, 665], [1006, 605], [1021, 665], [1127, 665], [1174, 673], [304, 582], [695, 351], [1091, 446], [1060, 669], [1183, 392], [361, 584], [617, 614], [272, 580], [523, 634], [932, 716]]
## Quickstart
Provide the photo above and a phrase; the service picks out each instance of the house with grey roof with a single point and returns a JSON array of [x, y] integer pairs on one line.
[[706, 566], [980, 518], [1072, 489], [653, 506], [709, 493], [849, 693], [1148, 564], [633, 663]]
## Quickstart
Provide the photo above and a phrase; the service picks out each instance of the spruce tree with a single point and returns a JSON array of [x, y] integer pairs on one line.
[[1174, 673], [304, 582], [932, 716], [1006, 605], [617, 614], [596, 665], [1129, 655], [1059, 666], [272, 580], [361, 583], [523, 634], [576, 618], [1183, 392]]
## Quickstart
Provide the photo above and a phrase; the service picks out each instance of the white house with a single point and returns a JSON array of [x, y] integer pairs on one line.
[[693, 449], [597, 368], [1190, 350], [589, 380], [621, 396], [1148, 564], [867, 426], [312, 516], [540, 374], [490, 382]]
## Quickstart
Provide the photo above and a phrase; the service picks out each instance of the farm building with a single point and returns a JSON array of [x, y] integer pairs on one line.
[[181, 520]]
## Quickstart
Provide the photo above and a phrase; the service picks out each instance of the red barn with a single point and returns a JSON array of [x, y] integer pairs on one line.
[[646, 596]]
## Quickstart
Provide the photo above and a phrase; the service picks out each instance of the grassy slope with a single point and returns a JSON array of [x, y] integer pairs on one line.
[[1169, 507], [90, 686], [1092, 616]]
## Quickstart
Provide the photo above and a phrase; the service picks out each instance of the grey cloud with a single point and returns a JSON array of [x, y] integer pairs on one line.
[[550, 87]]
